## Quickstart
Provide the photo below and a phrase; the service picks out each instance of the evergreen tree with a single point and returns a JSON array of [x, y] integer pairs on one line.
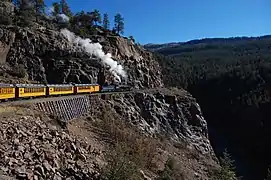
[[16, 3], [96, 16], [227, 171], [56, 9], [90, 18], [40, 8], [268, 176], [26, 12], [65, 8], [106, 22], [132, 38], [6, 16], [119, 23]]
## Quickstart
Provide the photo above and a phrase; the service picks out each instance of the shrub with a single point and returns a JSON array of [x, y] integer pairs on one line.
[[19, 71], [130, 149], [117, 131], [6, 20], [119, 165], [171, 171]]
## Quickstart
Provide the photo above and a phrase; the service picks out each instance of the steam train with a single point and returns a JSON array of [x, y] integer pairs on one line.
[[20, 91]]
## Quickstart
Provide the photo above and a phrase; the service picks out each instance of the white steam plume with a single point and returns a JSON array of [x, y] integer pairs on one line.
[[59, 17], [63, 18], [96, 50], [51, 10]]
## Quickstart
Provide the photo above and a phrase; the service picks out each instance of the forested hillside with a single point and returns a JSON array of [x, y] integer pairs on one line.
[[231, 79]]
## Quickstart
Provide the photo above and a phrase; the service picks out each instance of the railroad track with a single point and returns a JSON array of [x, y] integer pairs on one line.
[[71, 96], [68, 107], [54, 98]]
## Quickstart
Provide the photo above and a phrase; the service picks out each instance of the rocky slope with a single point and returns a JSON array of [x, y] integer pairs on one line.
[[170, 119], [32, 147], [42, 54]]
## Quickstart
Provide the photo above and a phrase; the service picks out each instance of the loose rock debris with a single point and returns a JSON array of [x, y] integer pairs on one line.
[[30, 149]]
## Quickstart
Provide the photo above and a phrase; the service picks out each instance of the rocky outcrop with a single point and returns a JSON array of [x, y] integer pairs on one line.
[[141, 65], [46, 54], [6, 40], [170, 113]]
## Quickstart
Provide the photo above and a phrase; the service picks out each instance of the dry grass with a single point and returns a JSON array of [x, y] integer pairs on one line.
[[120, 134], [131, 151], [127, 151], [171, 171], [6, 111]]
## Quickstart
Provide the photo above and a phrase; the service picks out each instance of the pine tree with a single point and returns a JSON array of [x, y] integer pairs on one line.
[[65, 8], [96, 16], [268, 176], [25, 12], [6, 15], [119, 23], [228, 169], [90, 18], [16, 3], [40, 8], [106, 22], [56, 9], [132, 38]]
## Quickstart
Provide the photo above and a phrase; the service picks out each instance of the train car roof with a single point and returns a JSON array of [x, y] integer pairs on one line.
[[110, 86], [59, 85], [86, 84], [30, 85], [6, 85]]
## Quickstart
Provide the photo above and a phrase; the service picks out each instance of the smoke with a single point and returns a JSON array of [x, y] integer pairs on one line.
[[63, 18], [96, 50], [51, 10]]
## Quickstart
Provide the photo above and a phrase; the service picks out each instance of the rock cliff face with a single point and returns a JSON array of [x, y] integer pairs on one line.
[[6, 40], [46, 54], [168, 112]]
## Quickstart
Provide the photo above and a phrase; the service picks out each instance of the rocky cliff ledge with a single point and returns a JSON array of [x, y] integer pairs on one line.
[[43, 54]]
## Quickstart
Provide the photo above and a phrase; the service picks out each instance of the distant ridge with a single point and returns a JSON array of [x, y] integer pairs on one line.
[[156, 47]]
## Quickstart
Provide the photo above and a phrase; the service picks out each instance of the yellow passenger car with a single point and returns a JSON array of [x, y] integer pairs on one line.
[[30, 90], [86, 88], [7, 91], [60, 89]]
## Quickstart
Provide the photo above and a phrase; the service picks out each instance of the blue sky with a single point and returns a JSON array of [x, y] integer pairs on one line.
[[162, 21]]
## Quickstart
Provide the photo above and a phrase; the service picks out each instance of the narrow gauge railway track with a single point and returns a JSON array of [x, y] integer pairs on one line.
[[55, 98]]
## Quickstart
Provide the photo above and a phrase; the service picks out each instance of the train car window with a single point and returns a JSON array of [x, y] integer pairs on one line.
[[63, 89], [83, 87], [6, 90], [33, 90]]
